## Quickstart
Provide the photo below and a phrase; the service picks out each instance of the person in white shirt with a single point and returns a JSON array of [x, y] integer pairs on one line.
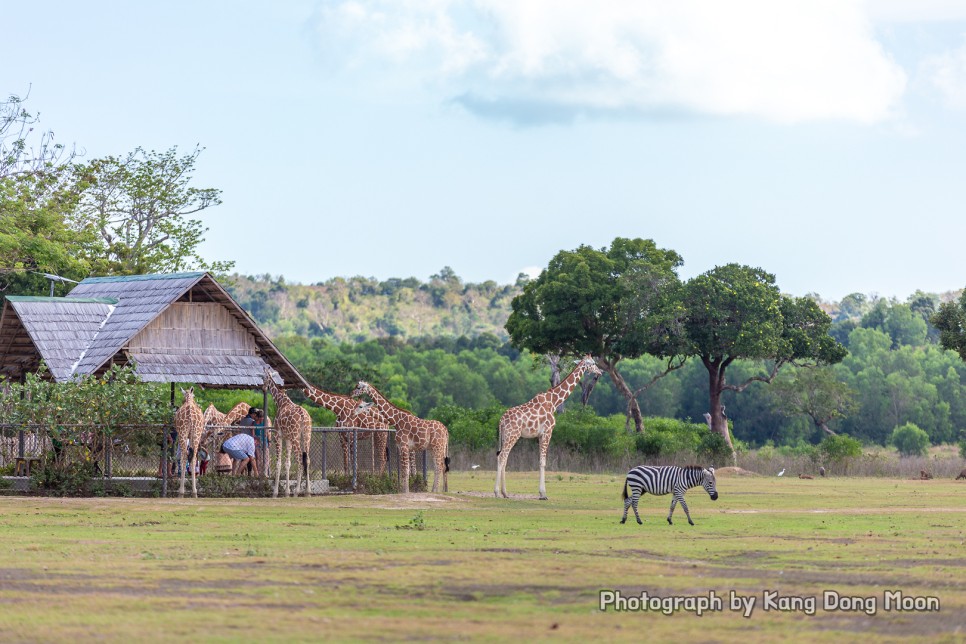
[[241, 449]]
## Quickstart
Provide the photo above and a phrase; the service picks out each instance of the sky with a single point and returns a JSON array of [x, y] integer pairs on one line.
[[821, 140]]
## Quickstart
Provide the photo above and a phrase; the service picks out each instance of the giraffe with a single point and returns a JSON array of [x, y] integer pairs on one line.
[[412, 433], [189, 422], [344, 408], [536, 419], [295, 429]]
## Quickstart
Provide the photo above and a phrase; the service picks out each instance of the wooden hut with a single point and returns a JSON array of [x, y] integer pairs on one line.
[[181, 327]]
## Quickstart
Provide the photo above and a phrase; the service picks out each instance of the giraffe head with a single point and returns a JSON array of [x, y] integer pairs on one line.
[[362, 388], [269, 380], [189, 395], [363, 407], [589, 365]]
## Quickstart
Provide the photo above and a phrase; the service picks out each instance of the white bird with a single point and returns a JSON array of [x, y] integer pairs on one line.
[[782, 473], [473, 467]]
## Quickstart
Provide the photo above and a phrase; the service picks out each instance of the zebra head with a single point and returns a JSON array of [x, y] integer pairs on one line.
[[708, 483]]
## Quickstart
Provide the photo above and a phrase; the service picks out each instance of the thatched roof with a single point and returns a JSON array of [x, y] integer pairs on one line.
[[181, 327]]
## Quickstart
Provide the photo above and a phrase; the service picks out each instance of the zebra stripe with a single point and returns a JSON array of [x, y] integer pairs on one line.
[[667, 479]]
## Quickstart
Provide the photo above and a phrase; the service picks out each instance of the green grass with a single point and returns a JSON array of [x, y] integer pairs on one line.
[[469, 566]]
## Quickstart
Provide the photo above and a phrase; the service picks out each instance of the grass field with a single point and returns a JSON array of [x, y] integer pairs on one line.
[[468, 566]]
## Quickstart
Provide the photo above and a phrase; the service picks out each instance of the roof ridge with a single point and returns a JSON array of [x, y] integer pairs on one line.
[[141, 278], [70, 300]]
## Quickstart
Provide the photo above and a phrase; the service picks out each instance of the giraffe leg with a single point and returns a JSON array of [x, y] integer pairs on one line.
[[501, 460], [288, 468], [278, 464], [306, 461], [544, 446], [404, 462], [380, 442], [183, 445]]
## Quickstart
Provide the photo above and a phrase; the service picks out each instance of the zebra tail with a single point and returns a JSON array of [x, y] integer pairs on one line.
[[625, 489]]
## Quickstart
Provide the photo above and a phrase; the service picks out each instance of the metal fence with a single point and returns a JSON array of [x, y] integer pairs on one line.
[[151, 451]]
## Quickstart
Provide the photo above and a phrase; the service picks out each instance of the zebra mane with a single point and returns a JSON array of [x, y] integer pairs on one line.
[[693, 468]]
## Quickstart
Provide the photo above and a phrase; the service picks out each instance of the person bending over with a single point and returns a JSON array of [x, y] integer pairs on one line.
[[241, 449]]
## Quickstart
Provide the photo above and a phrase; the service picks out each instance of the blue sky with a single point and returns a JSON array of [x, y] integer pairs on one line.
[[822, 140]]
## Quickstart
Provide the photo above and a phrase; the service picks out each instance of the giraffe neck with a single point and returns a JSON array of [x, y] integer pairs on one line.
[[393, 414], [279, 396], [558, 394], [341, 405]]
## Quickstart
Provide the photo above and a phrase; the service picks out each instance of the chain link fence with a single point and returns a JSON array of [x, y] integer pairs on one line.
[[150, 451]]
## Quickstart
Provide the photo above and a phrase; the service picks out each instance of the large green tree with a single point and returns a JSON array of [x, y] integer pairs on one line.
[[613, 303], [950, 319], [736, 312], [140, 207]]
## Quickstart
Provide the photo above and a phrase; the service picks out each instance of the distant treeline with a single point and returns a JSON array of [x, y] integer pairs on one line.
[[457, 354]]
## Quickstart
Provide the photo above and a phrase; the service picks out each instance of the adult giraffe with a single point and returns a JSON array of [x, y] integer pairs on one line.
[[536, 419], [344, 408], [189, 423], [294, 427], [412, 434]]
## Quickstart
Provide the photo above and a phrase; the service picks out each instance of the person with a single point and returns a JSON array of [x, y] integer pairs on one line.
[[241, 449], [249, 420]]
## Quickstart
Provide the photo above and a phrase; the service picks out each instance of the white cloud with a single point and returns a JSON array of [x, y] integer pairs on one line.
[[789, 61], [916, 10], [947, 73]]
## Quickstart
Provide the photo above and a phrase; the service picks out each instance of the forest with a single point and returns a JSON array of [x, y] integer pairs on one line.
[[895, 372]]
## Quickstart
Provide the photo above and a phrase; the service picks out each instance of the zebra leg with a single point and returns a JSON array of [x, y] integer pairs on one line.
[[685, 506], [634, 500], [674, 502], [627, 504]]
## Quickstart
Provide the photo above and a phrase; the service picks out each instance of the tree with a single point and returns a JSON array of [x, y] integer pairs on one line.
[[613, 303], [950, 319], [23, 152], [37, 197], [910, 440], [140, 206], [815, 393], [736, 312]]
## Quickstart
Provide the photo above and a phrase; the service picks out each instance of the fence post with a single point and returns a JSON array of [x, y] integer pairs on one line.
[[325, 456], [164, 461], [21, 441], [355, 457]]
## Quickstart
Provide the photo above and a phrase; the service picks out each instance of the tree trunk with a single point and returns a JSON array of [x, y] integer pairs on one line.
[[719, 423], [554, 361], [825, 428], [587, 387], [633, 409]]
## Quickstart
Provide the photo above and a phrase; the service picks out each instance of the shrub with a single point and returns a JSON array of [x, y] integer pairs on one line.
[[583, 431], [962, 448], [668, 436], [910, 440]]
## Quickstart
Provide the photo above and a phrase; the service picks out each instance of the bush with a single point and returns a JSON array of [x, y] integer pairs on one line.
[[668, 436], [583, 431], [910, 440], [840, 448], [962, 448], [475, 429]]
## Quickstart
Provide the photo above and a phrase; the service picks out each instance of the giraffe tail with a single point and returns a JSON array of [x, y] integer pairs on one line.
[[305, 463], [446, 462]]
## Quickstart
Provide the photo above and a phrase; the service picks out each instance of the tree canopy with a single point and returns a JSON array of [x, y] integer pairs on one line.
[[613, 303], [736, 312]]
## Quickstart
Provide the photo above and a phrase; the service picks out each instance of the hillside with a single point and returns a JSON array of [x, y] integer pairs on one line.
[[359, 308]]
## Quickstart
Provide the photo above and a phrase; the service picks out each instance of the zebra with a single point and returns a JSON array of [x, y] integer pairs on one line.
[[664, 480]]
